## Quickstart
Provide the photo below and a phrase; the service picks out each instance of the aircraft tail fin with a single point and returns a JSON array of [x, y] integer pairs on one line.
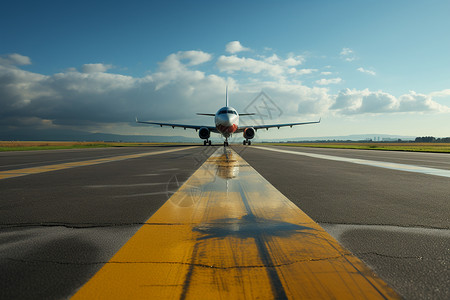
[[226, 96]]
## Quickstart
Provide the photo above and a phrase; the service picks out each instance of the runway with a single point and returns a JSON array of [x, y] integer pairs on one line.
[[59, 228]]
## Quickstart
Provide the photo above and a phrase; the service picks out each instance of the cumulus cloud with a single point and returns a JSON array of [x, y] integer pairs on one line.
[[362, 70], [233, 63], [95, 68], [293, 60], [176, 67], [347, 54], [295, 99], [273, 65], [235, 47], [15, 59], [443, 93], [415, 102], [194, 57], [325, 73], [325, 81], [358, 102], [349, 102], [305, 71], [90, 98]]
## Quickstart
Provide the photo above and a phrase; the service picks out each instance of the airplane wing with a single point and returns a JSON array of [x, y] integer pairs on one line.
[[241, 129], [211, 128]]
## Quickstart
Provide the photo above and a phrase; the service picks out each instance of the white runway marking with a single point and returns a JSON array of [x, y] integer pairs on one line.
[[372, 163]]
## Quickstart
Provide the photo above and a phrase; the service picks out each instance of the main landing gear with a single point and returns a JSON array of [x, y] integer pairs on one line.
[[206, 142], [247, 142]]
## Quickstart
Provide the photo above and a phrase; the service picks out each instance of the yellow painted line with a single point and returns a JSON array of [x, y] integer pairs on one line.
[[55, 167], [229, 234]]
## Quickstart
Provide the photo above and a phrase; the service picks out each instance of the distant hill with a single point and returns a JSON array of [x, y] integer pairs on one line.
[[354, 137]]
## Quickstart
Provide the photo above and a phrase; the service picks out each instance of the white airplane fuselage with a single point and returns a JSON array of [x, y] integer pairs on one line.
[[227, 121]]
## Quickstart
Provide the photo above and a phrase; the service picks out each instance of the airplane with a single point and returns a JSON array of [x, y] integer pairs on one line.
[[227, 123]]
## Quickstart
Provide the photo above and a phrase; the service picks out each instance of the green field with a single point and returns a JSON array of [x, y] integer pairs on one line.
[[412, 147], [28, 146]]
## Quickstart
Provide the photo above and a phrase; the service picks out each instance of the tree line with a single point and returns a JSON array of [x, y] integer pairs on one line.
[[432, 139]]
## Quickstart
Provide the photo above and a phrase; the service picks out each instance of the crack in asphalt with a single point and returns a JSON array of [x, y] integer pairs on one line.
[[177, 263], [37, 261], [97, 225], [412, 226], [84, 225], [400, 257]]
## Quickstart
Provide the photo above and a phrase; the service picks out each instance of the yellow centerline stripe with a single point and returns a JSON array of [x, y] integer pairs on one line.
[[227, 233], [41, 169]]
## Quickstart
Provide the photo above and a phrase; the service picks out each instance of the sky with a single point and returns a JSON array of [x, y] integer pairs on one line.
[[363, 67]]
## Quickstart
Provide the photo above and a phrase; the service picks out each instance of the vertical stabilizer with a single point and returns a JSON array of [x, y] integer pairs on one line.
[[226, 95]]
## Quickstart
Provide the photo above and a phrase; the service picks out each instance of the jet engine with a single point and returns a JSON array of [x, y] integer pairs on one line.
[[249, 133], [204, 133]]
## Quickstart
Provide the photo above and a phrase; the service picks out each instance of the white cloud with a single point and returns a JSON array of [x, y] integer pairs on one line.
[[194, 57], [324, 81], [233, 63], [326, 73], [235, 47], [95, 68], [362, 70], [272, 59], [96, 100], [15, 59], [293, 61], [273, 65], [414, 102], [358, 102], [293, 99], [174, 68], [347, 54], [306, 71], [346, 51], [443, 93], [349, 102]]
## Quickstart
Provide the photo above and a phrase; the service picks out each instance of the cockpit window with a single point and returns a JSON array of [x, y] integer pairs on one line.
[[227, 112]]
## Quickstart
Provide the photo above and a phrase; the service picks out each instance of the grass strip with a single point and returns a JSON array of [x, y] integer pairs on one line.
[[31, 146]]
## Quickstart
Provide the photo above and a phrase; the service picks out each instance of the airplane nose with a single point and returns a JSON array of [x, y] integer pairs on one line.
[[227, 120]]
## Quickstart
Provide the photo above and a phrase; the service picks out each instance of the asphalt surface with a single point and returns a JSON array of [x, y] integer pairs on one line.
[[397, 222], [58, 228]]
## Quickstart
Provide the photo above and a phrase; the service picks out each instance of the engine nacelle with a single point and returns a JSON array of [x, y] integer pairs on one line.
[[249, 133], [204, 133]]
